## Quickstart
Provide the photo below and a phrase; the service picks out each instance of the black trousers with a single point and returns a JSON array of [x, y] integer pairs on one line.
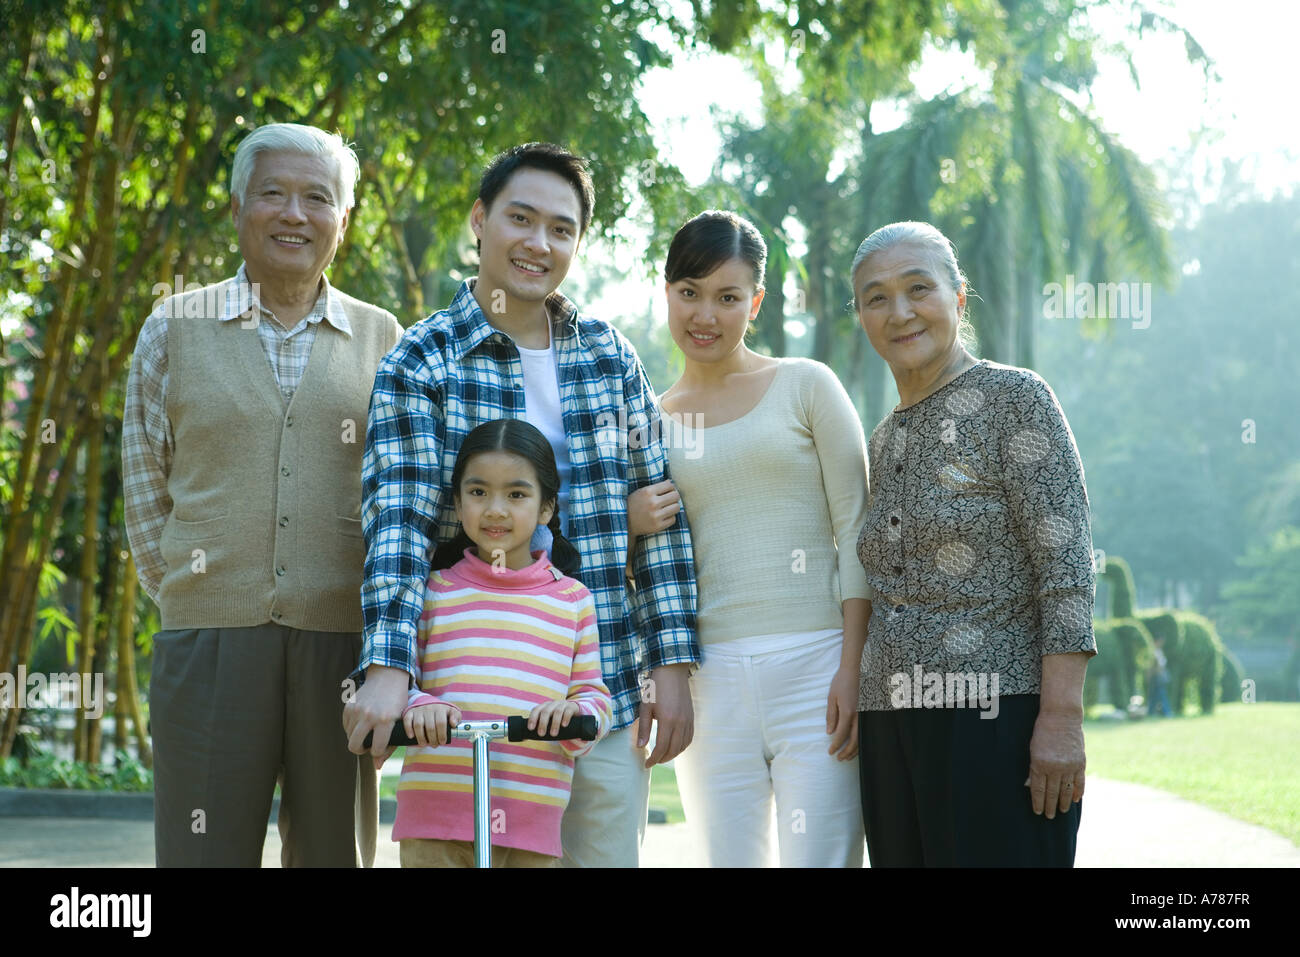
[[943, 787]]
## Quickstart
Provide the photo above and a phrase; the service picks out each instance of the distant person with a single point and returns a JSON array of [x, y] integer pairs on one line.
[[769, 454], [241, 459], [510, 346], [978, 550], [1158, 682], [540, 659]]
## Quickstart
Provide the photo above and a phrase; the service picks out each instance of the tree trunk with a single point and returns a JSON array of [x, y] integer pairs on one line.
[[130, 700], [89, 569]]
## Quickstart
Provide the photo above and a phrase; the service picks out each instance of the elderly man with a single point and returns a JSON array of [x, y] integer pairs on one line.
[[242, 440]]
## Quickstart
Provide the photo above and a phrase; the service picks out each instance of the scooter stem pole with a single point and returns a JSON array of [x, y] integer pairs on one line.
[[482, 803]]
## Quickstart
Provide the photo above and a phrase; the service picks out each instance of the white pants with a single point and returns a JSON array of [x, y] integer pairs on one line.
[[604, 824], [760, 732]]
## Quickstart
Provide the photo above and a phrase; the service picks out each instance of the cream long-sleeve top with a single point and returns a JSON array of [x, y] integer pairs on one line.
[[776, 499]]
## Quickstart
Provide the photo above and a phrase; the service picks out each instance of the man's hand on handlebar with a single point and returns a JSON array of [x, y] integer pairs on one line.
[[376, 706]]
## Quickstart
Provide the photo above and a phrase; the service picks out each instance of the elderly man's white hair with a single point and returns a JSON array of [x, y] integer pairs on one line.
[[295, 138]]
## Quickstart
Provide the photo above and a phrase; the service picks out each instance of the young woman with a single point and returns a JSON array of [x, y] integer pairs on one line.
[[775, 475], [504, 631]]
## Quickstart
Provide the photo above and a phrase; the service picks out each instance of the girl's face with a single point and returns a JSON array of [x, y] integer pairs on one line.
[[500, 505], [907, 306], [708, 316]]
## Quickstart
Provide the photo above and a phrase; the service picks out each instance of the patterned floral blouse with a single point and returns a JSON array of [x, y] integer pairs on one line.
[[977, 544]]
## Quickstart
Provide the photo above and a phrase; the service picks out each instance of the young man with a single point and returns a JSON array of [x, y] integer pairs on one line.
[[510, 346]]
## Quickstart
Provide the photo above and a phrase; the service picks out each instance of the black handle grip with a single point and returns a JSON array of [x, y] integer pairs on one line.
[[580, 728], [397, 739]]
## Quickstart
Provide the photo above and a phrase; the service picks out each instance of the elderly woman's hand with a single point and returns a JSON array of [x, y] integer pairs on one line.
[[1056, 758], [1056, 762]]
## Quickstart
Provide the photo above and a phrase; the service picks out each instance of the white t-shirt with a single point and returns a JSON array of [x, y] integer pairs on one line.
[[542, 409]]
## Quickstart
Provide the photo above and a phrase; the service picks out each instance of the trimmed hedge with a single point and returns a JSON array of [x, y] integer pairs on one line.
[[1124, 652], [1198, 662]]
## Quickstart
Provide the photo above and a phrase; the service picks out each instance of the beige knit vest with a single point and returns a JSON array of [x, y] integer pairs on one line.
[[266, 500]]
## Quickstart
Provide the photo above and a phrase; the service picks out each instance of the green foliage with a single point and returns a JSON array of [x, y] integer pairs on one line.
[[1195, 656], [1124, 652], [1123, 593], [1187, 428], [47, 771], [1265, 598], [1198, 667], [1233, 673]]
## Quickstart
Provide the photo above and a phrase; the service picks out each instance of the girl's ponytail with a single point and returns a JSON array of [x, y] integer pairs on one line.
[[564, 554], [450, 552]]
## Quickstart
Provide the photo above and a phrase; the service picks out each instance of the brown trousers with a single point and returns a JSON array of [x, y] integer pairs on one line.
[[231, 711]]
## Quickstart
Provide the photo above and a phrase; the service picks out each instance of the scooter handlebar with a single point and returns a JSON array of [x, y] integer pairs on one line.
[[580, 728]]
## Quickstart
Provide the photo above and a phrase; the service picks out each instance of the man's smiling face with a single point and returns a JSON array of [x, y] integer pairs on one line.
[[528, 236], [291, 221]]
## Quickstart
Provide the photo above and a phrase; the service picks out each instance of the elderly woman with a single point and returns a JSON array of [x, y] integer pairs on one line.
[[978, 552]]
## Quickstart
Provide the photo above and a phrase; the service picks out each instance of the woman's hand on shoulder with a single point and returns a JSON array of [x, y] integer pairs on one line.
[[653, 508]]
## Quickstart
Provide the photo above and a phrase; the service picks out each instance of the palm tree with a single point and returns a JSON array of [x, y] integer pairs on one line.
[[1022, 176]]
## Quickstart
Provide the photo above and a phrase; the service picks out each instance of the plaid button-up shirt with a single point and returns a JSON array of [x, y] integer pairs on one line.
[[454, 371]]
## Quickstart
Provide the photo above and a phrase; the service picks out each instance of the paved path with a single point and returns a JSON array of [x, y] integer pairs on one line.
[[1124, 825]]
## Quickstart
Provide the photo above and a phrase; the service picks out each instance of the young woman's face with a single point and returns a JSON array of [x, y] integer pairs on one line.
[[708, 316], [907, 306], [500, 505]]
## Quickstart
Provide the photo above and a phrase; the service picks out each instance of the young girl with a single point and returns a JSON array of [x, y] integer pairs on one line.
[[504, 632], [775, 476]]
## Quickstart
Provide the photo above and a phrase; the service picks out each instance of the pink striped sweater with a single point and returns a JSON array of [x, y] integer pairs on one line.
[[496, 642]]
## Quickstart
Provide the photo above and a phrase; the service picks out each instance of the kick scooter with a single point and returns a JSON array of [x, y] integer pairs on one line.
[[515, 728]]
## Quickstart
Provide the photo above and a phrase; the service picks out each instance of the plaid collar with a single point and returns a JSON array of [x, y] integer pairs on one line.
[[470, 328]]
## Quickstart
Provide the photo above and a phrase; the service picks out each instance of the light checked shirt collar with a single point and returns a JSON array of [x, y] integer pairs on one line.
[[243, 298]]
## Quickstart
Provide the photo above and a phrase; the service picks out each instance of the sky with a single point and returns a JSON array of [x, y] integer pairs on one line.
[[1245, 113]]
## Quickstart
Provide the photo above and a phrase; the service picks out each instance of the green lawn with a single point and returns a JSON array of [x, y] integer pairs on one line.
[[1243, 760], [663, 793]]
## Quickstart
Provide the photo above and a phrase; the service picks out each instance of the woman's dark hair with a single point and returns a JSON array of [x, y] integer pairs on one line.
[[517, 437], [711, 239]]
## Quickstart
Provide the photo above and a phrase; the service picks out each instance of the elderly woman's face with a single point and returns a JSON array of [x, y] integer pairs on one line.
[[292, 218], [907, 306]]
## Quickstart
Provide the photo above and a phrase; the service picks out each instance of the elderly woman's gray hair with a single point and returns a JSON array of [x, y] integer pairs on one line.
[[296, 138], [923, 234]]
